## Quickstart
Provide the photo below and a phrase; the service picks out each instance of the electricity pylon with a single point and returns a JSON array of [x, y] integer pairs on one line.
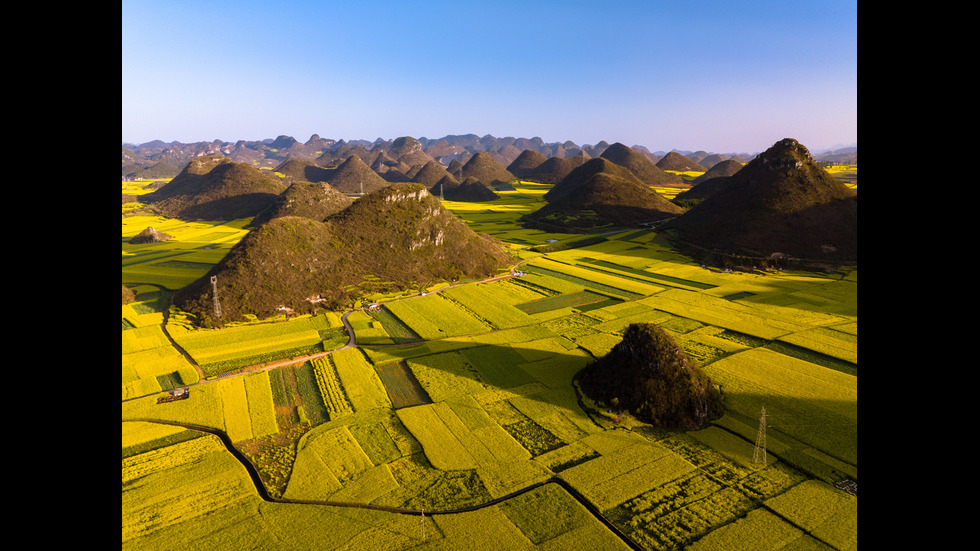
[[759, 456], [214, 286]]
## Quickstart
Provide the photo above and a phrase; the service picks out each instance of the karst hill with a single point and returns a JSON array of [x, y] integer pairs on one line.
[[651, 377], [213, 187], [397, 238], [680, 163], [313, 200], [641, 167], [600, 193], [484, 168], [782, 203], [707, 184]]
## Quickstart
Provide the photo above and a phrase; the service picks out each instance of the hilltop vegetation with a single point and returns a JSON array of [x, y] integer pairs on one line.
[[650, 376], [782, 203], [396, 238], [600, 193], [215, 188]]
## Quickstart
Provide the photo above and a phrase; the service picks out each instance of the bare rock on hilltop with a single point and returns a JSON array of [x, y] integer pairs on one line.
[[150, 235]]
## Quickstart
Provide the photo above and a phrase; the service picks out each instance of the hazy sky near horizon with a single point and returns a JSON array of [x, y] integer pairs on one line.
[[713, 75]]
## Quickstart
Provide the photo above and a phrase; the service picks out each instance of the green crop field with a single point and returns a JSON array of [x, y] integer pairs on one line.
[[460, 403]]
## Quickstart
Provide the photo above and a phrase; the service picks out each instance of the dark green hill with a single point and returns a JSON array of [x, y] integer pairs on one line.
[[408, 150], [313, 200], [554, 169], [678, 162], [720, 169], [306, 170], [714, 179], [486, 169], [525, 163], [397, 238], [430, 174], [780, 202], [650, 376], [470, 191], [641, 167], [355, 176], [213, 187], [598, 194]]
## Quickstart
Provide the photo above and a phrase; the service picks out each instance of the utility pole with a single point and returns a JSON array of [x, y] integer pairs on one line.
[[214, 286], [759, 456]]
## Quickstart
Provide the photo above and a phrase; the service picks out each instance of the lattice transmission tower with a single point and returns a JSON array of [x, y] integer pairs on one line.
[[217, 305], [759, 456]]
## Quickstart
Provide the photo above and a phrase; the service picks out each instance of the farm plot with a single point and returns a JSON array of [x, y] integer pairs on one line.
[[808, 402], [360, 382], [181, 260], [568, 300], [553, 519], [209, 478], [481, 302], [821, 510], [150, 364], [326, 459], [446, 376], [220, 350], [626, 472], [435, 317], [590, 279], [331, 390], [394, 327], [401, 385], [725, 313]]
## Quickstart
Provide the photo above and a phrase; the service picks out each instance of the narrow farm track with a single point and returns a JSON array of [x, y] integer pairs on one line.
[[264, 494]]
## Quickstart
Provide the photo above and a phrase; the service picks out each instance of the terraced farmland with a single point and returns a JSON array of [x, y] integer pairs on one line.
[[461, 403]]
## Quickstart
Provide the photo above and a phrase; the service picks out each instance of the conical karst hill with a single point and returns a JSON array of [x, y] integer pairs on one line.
[[652, 377], [714, 179], [486, 169], [470, 191], [408, 150], [296, 169], [720, 169], [678, 162], [397, 238], [442, 188], [213, 187], [600, 193], [354, 176], [641, 167], [780, 202], [430, 174], [313, 200], [525, 163], [552, 170]]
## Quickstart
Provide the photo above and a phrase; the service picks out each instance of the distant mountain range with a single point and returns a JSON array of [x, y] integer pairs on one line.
[[159, 159]]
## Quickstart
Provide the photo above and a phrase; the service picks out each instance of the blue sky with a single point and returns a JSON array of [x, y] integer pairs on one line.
[[719, 76]]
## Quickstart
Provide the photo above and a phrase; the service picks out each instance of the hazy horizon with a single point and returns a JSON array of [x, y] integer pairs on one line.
[[698, 75]]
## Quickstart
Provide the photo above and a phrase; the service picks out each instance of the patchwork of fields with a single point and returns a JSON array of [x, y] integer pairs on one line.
[[464, 396]]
